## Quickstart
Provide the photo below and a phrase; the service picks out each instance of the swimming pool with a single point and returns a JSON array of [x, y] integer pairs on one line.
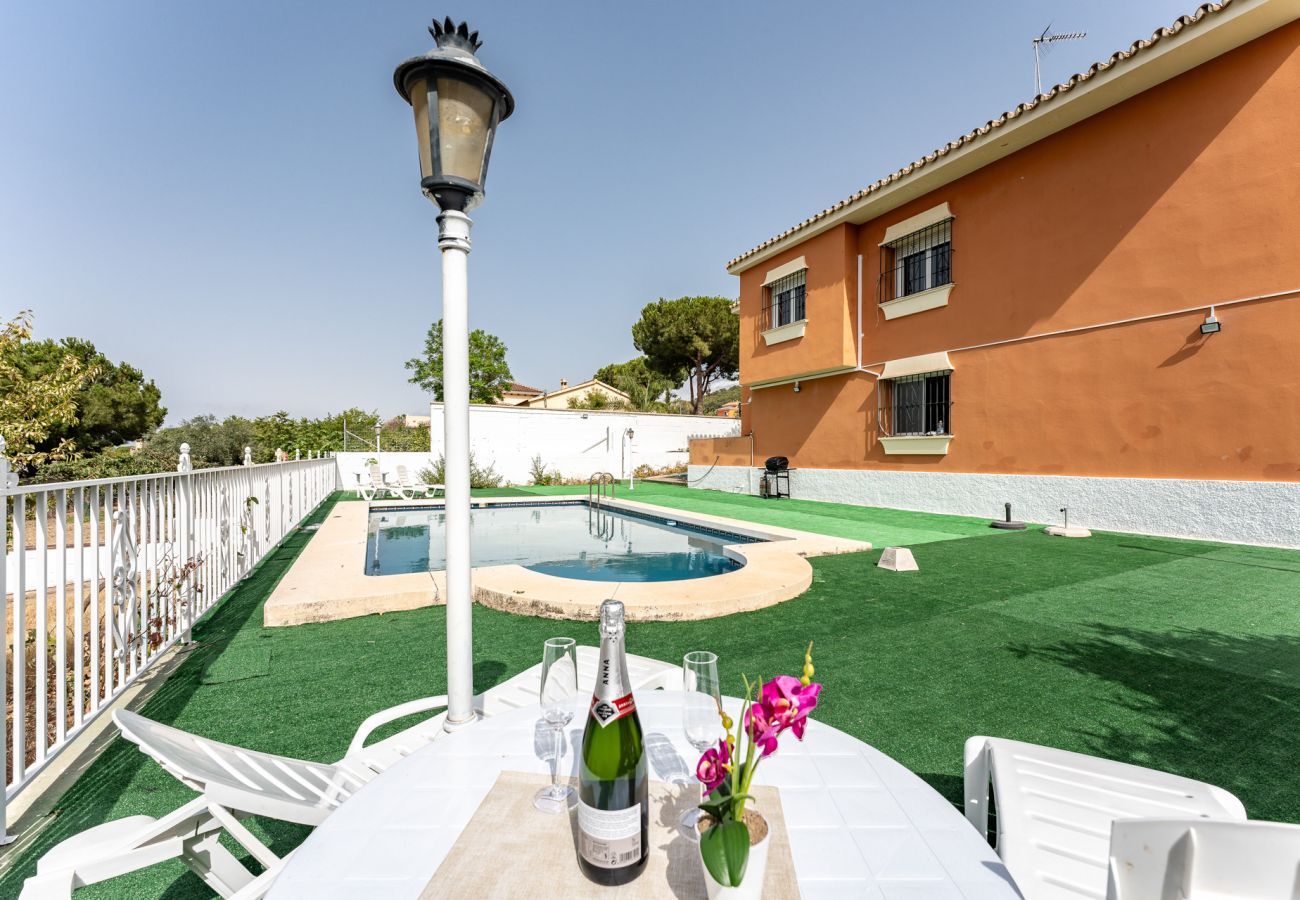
[[570, 540]]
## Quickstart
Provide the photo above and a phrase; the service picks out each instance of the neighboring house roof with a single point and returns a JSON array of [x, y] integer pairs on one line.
[[584, 387], [1118, 65], [516, 388]]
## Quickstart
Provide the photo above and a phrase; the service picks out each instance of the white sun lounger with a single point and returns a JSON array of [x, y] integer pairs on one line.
[[1054, 811], [236, 782], [378, 486], [1188, 859], [404, 480]]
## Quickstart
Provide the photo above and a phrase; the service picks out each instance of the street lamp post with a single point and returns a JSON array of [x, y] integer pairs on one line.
[[457, 104]]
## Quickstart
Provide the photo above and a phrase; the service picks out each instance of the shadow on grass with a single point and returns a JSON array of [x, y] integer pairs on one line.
[[1213, 559], [1215, 707]]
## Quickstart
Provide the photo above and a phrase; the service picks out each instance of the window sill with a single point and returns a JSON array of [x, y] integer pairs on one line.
[[785, 332], [918, 302], [916, 444]]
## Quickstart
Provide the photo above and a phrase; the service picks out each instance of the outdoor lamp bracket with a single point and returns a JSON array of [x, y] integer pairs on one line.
[[1211, 325], [458, 104]]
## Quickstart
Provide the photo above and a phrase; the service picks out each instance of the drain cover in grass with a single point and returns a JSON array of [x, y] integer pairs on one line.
[[238, 662]]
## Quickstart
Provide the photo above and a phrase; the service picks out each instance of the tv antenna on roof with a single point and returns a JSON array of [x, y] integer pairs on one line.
[[1043, 43]]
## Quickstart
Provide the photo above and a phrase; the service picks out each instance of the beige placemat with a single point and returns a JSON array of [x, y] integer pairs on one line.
[[509, 849]]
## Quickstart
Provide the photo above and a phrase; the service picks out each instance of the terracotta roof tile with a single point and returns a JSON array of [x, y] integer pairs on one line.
[[1202, 12]]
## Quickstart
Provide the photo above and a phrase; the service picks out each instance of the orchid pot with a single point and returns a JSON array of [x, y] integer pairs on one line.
[[751, 886], [734, 839]]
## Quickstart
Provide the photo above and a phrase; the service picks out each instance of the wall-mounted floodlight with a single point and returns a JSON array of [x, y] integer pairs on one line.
[[1211, 325]]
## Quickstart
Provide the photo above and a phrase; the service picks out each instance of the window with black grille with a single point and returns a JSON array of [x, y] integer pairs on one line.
[[916, 404], [784, 303], [916, 262]]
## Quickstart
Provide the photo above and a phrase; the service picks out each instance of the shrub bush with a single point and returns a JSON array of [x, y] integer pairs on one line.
[[539, 474], [479, 476]]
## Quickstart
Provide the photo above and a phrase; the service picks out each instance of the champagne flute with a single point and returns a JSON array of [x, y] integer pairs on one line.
[[558, 687], [701, 703]]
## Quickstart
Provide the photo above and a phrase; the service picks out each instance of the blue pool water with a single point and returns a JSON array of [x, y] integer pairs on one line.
[[568, 540]]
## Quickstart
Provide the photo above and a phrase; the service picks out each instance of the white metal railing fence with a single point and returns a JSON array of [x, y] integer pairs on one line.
[[101, 577]]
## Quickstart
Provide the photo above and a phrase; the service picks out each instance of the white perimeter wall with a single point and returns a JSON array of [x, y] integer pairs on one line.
[[576, 442], [1247, 512]]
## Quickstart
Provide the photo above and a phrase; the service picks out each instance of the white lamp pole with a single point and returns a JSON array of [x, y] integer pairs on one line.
[[453, 241], [457, 105]]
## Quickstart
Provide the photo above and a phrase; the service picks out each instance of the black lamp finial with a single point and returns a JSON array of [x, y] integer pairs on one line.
[[448, 34]]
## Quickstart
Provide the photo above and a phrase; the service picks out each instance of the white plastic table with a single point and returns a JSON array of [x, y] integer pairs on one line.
[[860, 824]]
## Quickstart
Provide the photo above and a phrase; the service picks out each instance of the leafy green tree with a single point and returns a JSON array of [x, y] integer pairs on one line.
[[278, 431], [398, 437], [649, 390], [212, 442], [489, 374], [700, 335], [36, 413], [114, 406], [714, 400], [221, 443], [113, 462]]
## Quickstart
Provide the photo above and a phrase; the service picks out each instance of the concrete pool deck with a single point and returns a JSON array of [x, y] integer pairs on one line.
[[328, 581]]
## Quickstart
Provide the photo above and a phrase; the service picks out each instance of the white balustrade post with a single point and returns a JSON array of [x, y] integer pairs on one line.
[[7, 481], [297, 453], [248, 456], [453, 241], [185, 514]]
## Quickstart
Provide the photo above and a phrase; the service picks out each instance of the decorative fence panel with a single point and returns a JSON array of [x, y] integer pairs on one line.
[[102, 577]]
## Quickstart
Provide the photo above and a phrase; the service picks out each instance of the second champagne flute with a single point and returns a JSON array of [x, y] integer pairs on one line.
[[701, 710], [558, 688]]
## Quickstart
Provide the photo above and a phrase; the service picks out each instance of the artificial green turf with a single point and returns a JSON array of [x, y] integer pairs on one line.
[[1181, 655]]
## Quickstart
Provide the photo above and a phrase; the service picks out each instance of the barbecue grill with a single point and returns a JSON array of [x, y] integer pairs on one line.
[[775, 482]]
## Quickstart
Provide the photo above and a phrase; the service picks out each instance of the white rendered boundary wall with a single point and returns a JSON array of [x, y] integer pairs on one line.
[[1246, 512], [576, 442]]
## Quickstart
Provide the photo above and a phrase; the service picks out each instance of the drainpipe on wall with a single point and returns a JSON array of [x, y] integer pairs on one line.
[[859, 310], [749, 473]]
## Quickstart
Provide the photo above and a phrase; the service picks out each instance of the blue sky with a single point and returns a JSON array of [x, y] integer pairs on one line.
[[226, 194]]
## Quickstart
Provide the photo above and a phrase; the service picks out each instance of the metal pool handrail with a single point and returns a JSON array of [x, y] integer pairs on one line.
[[596, 485]]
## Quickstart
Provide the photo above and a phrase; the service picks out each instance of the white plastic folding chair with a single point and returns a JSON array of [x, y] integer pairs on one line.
[[1203, 859], [235, 782], [1054, 810]]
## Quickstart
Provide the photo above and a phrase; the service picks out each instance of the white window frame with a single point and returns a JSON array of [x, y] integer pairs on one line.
[[921, 243], [798, 303]]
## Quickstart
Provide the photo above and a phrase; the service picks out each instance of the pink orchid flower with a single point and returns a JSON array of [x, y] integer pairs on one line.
[[713, 766], [762, 728], [787, 703]]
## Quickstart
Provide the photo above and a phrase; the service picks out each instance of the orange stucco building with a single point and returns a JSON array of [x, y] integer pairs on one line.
[[1018, 316]]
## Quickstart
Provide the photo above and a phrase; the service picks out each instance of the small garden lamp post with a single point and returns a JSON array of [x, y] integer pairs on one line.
[[457, 104], [628, 434]]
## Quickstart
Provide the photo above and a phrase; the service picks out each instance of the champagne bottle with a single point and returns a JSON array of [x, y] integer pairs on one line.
[[613, 807]]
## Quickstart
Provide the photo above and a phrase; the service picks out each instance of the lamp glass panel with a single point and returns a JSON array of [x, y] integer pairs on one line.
[[464, 118], [420, 103]]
